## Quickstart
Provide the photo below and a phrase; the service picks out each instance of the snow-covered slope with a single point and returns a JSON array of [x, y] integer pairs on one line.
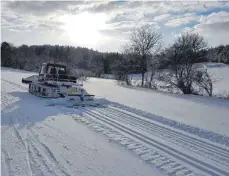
[[57, 140], [40, 140], [203, 112], [220, 76], [219, 73]]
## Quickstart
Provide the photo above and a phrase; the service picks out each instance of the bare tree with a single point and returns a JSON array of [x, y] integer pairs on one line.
[[180, 59], [125, 65], [204, 81], [154, 62], [143, 41]]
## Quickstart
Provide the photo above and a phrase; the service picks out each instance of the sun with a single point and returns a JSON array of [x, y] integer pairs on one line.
[[83, 29]]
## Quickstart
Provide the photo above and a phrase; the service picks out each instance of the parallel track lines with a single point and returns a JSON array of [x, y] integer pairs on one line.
[[205, 167]]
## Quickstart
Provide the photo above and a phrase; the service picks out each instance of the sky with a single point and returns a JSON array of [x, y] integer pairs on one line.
[[107, 25]]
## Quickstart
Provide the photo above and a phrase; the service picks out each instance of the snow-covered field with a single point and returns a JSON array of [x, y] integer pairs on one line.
[[137, 132], [219, 73]]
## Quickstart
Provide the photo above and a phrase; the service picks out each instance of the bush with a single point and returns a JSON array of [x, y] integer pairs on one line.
[[204, 81]]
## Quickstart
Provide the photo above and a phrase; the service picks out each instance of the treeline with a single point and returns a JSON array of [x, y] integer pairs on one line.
[[31, 57], [174, 65], [142, 53], [218, 54]]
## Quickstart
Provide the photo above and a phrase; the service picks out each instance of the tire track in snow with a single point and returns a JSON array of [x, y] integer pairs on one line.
[[32, 148], [16, 138], [43, 155], [202, 148], [202, 133], [15, 84], [19, 139], [51, 165], [157, 158], [190, 138], [148, 154], [15, 153], [200, 165], [5, 164], [147, 120]]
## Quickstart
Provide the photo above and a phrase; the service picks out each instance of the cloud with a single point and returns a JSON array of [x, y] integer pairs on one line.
[[214, 33], [123, 18], [22, 24], [43, 18], [106, 6], [124, 24], [162, 17], [16, 16], [190, 6], [215, 17], [179, 20], [14, 30], [116, 7], [118, 32], [158, 7], [4, 23], [214, 28], [41, 8]]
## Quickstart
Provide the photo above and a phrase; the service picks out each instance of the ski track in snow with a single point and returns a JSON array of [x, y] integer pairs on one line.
[[33, 151], [155, 152], [172, 151], [205, 134], [173, 136], [37, 159]]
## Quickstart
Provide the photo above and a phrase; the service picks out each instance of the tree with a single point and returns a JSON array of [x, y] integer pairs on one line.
[[143, 41], [22, 56], [203, 81], [181, 57], [155, 63], [97, 64], [125, 64], [219, 54], [6, 54]]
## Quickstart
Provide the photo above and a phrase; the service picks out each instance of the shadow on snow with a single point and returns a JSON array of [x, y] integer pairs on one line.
[[37, 111]]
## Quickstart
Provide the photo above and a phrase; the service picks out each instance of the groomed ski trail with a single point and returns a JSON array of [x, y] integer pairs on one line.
[[155, 148], [25, 150], [172, 151]]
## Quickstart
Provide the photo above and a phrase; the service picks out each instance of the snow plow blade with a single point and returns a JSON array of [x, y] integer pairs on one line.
[[29, 79], [87, 96], [75, 102], [25, 81]]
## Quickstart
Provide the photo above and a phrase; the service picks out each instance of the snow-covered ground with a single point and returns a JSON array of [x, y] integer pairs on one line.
[[40, 140], [136, 132], [203, 112], [220, 76], [219, 73]]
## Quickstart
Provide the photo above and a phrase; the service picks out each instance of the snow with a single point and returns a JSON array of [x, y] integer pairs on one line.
[[203, 112], [136, 132], [44, 140], [219, 73]]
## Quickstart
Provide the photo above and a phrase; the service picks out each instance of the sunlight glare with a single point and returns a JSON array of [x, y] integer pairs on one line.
[[84, 28]]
